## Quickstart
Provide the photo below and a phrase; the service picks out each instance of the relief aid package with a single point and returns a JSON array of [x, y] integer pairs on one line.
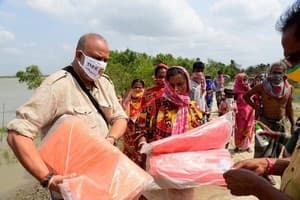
[[197, 157], [103, 171]]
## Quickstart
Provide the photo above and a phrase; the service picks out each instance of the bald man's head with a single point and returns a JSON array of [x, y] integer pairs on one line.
[[82, 40]]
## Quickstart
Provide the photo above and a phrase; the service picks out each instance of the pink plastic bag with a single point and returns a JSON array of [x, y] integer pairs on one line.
[[190, 169], [212, 135], [104, 172], [197, 157]]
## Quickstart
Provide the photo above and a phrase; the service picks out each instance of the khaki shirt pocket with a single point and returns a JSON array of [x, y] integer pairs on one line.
[[86, 114]]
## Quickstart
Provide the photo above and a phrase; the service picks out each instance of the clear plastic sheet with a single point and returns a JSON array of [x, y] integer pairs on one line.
[[197, 157], [103, 171], [190, 169]]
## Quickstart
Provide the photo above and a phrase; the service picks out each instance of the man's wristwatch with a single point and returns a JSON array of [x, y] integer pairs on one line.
[[45, 182], [114, 138]]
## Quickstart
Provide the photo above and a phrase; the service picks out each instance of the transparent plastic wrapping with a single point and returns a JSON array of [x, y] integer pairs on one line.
[[103, 171], [212, 135], [190, 169], [197, 157]]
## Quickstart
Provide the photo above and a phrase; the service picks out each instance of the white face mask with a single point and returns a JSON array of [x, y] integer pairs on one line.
[[92, 66]]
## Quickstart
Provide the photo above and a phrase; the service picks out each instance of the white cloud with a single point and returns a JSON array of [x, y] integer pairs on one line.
[[222, 30], [11, 51], [6, 37], [141, 18], [7, 15], [68, 48], [245, 15]]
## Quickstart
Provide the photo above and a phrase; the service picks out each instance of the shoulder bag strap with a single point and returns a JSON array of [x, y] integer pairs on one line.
[[87, 92]]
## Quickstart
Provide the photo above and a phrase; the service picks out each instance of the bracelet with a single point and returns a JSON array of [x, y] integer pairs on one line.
[[114, 138], [50, 181], [270, 167], [45, 182], [141, 144]]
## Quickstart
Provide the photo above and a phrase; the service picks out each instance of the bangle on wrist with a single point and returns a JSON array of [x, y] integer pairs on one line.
[[270, 167], [50, 181], [141, 144], [114, 138], [46, 182]]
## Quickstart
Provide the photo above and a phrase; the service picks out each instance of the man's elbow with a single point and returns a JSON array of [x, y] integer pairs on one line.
[[11, 138]]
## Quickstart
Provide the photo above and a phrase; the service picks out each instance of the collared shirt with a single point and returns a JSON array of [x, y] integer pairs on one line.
[[290, 182], [197, 95], [60, 94]]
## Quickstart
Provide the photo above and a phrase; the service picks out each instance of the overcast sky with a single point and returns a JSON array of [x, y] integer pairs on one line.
[[45, 32]]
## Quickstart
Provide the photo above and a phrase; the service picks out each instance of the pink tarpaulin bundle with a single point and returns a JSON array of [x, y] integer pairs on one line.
[[190, 169], [104, 172], [193, 158], [212, 135]]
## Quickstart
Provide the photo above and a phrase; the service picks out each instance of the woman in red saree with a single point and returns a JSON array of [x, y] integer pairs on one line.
[[132, 105], [244, 117], [171, 114]]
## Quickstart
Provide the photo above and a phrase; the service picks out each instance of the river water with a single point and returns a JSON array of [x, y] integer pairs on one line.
[[12, 95]]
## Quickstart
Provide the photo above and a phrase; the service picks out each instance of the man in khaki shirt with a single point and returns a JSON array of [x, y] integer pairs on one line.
[[61, 94], [244, 178]]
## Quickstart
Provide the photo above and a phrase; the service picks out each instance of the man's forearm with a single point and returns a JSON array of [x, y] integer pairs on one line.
[[118, 128], [268, 192], [28, 155]]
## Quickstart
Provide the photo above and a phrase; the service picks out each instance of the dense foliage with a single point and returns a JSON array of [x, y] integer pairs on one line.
[[124, 66], [32, 76]]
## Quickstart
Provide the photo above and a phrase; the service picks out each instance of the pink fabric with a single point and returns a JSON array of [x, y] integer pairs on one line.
[[104, 172], [190, 169], [212, 135], [245, 114], [182, 101], [194, 158]]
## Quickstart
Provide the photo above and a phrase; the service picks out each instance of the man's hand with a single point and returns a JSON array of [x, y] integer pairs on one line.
[[244, 182], [110, 140], [258, 165], [58, 179]]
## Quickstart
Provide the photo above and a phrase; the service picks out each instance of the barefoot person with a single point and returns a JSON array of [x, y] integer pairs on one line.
[[244, 178]]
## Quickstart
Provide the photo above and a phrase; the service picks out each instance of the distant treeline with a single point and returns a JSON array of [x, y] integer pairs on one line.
[[124, 66]]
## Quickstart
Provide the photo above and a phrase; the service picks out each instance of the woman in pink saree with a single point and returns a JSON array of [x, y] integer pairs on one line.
[[245, 115]]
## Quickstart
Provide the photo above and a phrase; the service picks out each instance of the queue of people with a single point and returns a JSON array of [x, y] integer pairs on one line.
[[175, 104]]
